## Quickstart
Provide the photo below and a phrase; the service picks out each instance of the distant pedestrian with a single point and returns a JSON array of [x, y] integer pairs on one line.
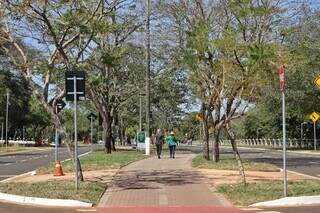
[[172, 142], [159, 142]]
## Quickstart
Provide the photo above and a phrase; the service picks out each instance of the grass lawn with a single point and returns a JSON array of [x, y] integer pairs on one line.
[[263, 191], [88, 191], [97, 160], [231, 164]]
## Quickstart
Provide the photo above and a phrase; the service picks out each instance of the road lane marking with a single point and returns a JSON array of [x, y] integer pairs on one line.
[[7, 164], [269, 212], [24, 160], [312, 162], [86, 210], [251, 209]]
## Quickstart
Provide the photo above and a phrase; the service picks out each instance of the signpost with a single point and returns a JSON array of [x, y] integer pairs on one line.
[[75, 90], [281, 72], [315, 117], [91, 117]]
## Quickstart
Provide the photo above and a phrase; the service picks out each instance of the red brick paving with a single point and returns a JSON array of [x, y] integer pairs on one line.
[[162, 185], [168, 209]]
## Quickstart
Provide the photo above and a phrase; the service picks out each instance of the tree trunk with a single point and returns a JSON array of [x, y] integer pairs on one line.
[[206, 152], [107, 136], [215, 148], [236, 154]]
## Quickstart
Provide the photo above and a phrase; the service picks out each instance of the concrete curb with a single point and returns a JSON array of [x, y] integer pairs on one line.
[[290, 201], [304, 152], [43, 201], [19, 176]]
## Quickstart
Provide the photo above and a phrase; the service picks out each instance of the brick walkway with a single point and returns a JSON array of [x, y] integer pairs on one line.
[[163, 185]]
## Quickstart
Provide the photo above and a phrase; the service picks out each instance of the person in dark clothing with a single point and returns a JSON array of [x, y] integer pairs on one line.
[[159, 142]]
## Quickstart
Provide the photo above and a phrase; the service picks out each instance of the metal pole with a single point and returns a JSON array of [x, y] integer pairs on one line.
[[56, 140], [91, 134], [284, 145], [23, 133], [315, 135], [148, 71], [75, 133], [7, 118], [140, 113], [2, 131], [301, 132]]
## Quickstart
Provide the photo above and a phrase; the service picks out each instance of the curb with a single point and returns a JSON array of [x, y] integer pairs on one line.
[[275, 150], [290, 201], [19, 176], [43, 201]]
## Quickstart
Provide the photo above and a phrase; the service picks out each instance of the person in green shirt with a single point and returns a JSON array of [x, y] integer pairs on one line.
[[172, 143]]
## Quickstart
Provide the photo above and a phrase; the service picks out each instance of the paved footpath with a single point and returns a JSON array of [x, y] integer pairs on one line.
[[162, 185]]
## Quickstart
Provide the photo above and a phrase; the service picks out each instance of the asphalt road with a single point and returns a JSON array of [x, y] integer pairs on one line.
[[16, 164], [308, 164]]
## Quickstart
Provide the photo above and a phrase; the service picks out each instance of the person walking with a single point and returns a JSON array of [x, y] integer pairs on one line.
[[172, 142], [159, 142]]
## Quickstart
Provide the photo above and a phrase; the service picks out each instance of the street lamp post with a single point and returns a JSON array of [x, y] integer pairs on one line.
[[7, 118]]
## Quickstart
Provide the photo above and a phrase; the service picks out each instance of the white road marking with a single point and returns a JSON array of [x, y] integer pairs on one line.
[[269, 212], [86, 210], [251, 209], [24, 160], [312, 162], [7, 164]]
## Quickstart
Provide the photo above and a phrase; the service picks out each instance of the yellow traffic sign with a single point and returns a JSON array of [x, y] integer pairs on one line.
[[198, 117], [317, 82], [314, 116]]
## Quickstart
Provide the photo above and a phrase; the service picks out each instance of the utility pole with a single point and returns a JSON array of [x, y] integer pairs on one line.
[[7, 118], [148, 70]]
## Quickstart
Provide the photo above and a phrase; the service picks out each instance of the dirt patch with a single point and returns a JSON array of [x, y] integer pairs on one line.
[[216, 177], [104, 176]]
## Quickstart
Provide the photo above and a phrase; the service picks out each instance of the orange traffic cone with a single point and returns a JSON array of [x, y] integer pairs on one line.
[[58, 169]]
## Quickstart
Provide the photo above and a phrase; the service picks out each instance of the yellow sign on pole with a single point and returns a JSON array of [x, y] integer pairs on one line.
[[314, 116], [198, 117], [317, 82]]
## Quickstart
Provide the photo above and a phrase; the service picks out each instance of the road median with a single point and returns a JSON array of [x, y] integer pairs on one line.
[[264, 181], [98, 170]]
